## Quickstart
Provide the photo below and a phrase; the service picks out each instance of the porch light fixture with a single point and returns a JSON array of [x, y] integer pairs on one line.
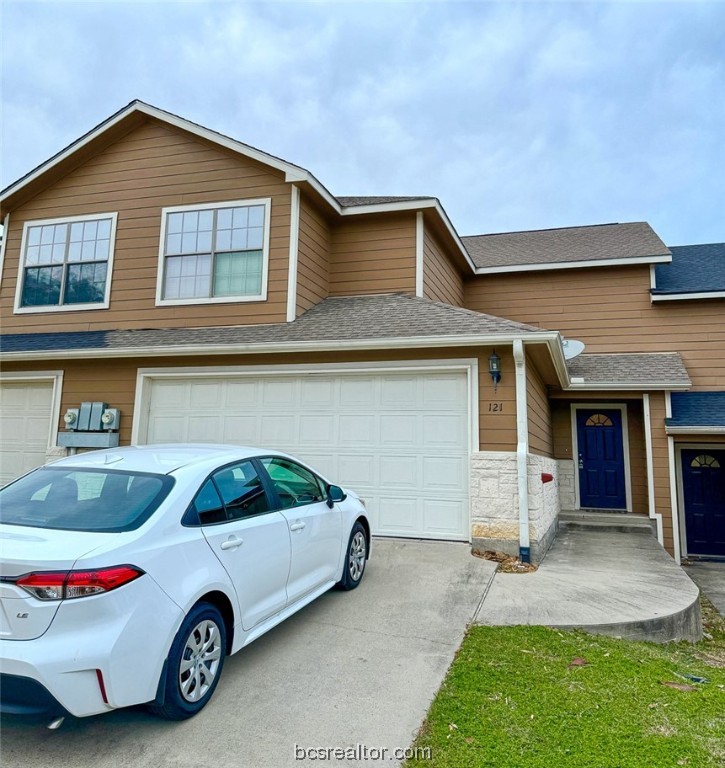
[[494, 368]]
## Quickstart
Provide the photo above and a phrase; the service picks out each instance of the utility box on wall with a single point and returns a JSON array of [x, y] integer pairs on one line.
[[93, 425]]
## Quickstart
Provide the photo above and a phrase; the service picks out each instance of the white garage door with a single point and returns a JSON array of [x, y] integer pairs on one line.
[[398, 439], [25, 422]]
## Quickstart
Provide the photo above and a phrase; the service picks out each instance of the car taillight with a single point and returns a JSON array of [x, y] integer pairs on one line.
[[65, 585]]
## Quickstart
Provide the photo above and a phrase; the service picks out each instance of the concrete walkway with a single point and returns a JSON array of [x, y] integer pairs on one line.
[[609, 582], [710, 577]]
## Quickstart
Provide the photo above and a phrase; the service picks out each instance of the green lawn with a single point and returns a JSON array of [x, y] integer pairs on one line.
[[512, 699]]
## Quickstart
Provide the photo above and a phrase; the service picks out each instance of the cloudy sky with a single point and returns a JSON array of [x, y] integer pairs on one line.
[[516, 115]]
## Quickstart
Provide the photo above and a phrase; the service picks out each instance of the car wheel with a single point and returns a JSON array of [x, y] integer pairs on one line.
[[355, 558], [194, 664]]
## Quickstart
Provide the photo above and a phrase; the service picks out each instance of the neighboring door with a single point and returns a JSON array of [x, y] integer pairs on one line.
[[703, 486], [315, 528], [251, 541], [399, 439], [600, 446], [25, 423]]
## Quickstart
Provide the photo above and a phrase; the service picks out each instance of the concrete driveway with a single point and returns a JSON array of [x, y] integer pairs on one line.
[[352, 668]]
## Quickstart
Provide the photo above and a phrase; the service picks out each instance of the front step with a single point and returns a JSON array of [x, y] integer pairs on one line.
[[583, 519]]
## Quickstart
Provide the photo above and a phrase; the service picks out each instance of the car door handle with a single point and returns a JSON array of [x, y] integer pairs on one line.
[[232, 543], [298, 526]]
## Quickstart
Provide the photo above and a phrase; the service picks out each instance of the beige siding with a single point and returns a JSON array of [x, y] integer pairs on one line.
[[114, 382], [373, 254], [610, 310], [152, 167], [442, 280], [541, 437], [313, 265]]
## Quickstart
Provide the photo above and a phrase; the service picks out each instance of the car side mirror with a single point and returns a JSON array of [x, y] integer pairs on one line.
[[335, 494]]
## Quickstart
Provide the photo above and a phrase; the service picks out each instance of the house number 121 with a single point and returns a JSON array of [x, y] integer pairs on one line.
[[495, 407]]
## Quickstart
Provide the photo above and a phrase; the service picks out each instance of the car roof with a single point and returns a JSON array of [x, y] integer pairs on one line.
[[163, 458]]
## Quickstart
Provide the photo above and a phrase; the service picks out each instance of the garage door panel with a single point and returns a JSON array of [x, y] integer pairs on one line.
[[173, 394], [280, 392], [398, 515], [240, 393], [399, 430], [206, 395], [316, 392], [356, 429], [399, 472], [443, 473], [443, 515], [25, 426], [356, 470], [358, 392], [278, 430], [444, 392], [317, 428], [399, 440], [444, 430]]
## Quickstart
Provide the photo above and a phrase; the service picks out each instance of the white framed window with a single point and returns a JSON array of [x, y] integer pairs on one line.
[[214, 253], [66, 263]]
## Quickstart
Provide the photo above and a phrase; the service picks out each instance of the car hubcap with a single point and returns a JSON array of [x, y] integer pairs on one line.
[[356, 561], [200, 660]]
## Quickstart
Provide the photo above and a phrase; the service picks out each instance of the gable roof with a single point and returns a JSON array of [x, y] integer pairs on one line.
[[651, 370], [359, 322], [129, 116], [696, 411], [695, 269], [568, 247]]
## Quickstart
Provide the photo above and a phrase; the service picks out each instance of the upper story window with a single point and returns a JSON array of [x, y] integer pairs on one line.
[[214, 253], [65, 264]]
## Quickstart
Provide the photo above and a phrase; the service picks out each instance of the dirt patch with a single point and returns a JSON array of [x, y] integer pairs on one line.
[[507, 563]]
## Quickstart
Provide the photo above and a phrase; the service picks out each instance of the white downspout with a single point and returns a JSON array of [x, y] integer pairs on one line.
[[522, 450], [650, 468]]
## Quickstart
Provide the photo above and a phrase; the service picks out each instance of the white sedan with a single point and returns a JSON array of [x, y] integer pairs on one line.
[[128, 575]]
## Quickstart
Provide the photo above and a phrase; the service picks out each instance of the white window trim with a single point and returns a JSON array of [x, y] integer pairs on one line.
[[162, 302], [20, 310], [681, 537], [622, 407], [57, 378], [3, 245]]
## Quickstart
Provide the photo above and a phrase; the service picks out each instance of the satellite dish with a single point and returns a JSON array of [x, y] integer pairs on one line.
[[572, 348]]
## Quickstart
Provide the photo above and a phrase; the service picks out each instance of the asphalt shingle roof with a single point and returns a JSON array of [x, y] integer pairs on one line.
[[694, 269], [697, 409], [349, 202], [353, 318], [630, 369], [570, 244]]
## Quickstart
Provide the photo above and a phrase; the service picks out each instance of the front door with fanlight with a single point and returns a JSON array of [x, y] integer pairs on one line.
[[602, 482], [703, 487]]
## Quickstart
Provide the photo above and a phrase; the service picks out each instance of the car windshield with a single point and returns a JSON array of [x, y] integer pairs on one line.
[[81, 499]]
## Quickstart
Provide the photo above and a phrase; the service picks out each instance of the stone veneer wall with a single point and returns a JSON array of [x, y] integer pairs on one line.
[[567, 492], [495, 503]]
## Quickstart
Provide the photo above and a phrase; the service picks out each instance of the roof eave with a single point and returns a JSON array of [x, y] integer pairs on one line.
[[620, 386], [717, 429], [583, 264], [279, 347], [684, 295]]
